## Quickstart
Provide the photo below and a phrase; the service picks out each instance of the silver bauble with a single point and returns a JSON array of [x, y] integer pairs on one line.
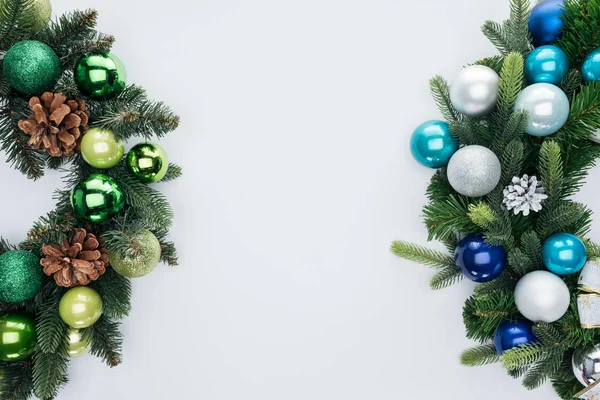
[[474, 92], [547, 106], [474, 171], [542, 296], [586, 367]]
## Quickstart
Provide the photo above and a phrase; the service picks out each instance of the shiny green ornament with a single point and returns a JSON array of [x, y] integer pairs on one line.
[[21, 276], [97, 198], [101, 149], [31, 67], [78, 344], [100, 75], [148, 162], [80, 307], [144, 262], [17, 337]]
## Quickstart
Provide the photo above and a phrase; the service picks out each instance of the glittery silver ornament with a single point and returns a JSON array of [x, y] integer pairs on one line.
[[524, 195], [588, 306], [586, 367], [474, 92], [542, 296], [589, 278], [474, 171]]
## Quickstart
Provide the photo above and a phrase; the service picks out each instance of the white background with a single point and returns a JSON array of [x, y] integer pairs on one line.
[[296, 117]]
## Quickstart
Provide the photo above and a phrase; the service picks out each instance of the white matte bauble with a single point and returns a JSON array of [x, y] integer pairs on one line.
[[542, 296], [474, 171], [547, 106], [474, 92]]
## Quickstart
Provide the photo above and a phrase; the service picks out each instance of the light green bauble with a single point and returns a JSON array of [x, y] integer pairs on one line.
[[101, 149], [144, 262], [36, 16], [78, 344], [80, 307]]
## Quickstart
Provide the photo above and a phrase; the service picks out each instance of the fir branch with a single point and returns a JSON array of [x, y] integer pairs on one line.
[[532, 248], [115, 291], [51, 330], [173, 172], [551, 169], [423, 255], [439, 188], [511, 82], [444, 218], [483, 313], [68, 29], [494, 62], [517, 27], [440, 90], [496, 34], [571, 82], [514, 130], [482, 215], [14, 26], [50, 372], [524, 355], [505, 282], [168, 253], [559, 218], [50, 228], [446, 277], [513, 158], [520, 262], [581, 32], [106, 341], [16, 380], [479, 356]]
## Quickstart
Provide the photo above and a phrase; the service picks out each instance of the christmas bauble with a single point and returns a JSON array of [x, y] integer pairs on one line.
[[474, 171], [586, 366], [17, 336], [511, 334], [548, 108], [21, 276], [564, 254], [31, 67], [474, 92], [546, 64], [432, 144], [148, 257], [479, 261], [546, 23], [542, 296], [37, 14], [148, 161], [78, 344], [101, 149], [97, 198], [80, 307], [100, 75], [591, 67]]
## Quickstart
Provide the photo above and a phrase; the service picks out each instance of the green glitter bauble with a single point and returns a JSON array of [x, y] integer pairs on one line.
[[101, 149], [97, 198], [21, 276], [80, 307], [31, 67], [100, 75], [17, 337], [148, 162], [144, 262]]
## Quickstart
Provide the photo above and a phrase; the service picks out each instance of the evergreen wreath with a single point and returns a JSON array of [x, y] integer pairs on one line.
[[519, 138], [65, 105]]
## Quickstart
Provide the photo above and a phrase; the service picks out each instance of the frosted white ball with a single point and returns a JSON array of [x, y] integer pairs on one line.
[[474, 171], [542, 296], [474, 92]]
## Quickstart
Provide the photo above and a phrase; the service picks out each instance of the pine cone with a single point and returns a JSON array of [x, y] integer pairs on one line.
[[77, 263], [57, 124]]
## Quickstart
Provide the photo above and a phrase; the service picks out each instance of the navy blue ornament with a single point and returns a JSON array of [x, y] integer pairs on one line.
[[591, 67], [564, 254], [545, 22], [479, 261], [432, 144], [511, 334], [546, 64]]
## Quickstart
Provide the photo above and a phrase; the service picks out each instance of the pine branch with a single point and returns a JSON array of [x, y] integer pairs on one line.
[[559, 218], [51, 330], [168, 253], [551, 169], [520, 262], [422, 255], [444, 218], [14, 27], [115, 291], [50, 228], [482, 215], [479, 356], [571, 83], [174, 172], [16, 381], [524, 355], [532, 248], [513, 159], [446, 277], [581, 32], [496, 34], [440, 90], [50, 372], [483, 313], [106, 341], [517, 27]]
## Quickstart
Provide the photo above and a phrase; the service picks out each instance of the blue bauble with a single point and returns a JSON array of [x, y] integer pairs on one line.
[[548, 108], [432, 144], [564, 254], [511, 334], [545, 22], [546, 64], [479, 261], [591, 67]]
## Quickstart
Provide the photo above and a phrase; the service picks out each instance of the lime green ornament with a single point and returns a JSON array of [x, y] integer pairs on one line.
[[21, 276], [100, 75], [97, 198], [31, 67], [144, 262], [101, 149], [148, 162], [17, 337], [80, 307], [37, 15], [78, 344]]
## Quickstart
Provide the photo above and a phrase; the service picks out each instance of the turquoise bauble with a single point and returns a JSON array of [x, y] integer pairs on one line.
[[80, 307], [31, 67], [148, 162], [546, 22], [548, 108], [432, 144], [591, 67], [546, 64], [101, 149], [17, 337], [97, 198], [148, 257], [21, 276], [100, 75], [564, 254]]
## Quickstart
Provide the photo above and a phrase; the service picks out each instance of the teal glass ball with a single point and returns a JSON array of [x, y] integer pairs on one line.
[[18, 337], [564, 254], [546, 64], [432, 144], [97, 198], [148, 162], [31, 67], [142, 263], [100, 76], [21, 276], [591, 67], [101, 149]]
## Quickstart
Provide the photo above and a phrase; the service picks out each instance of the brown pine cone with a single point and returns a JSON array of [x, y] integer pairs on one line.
[[78, 262], [57, 124]]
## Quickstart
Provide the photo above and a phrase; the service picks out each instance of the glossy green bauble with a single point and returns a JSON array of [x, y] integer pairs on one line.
[[31, 67], [80, 307], [148, 162], [21, 276], [144, 262], [78, 344], [97, 198], [17, 336], [101, 149], [100, 75]]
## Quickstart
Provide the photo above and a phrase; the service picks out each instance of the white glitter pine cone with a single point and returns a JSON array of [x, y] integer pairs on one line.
[[524, 195]]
